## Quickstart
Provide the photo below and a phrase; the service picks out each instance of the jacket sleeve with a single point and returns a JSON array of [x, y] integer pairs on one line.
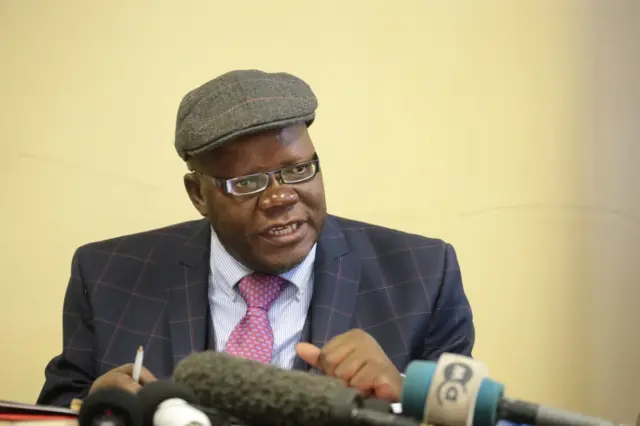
[[451, 326], [70, 374]]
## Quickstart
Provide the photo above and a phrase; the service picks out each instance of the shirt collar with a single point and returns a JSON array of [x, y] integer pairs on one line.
[[227, 271]]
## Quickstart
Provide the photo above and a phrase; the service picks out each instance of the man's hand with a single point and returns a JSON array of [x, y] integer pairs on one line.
[[357, 359], [121, 377]]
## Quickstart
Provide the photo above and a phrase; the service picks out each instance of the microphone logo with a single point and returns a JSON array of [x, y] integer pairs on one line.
[[456, 377]]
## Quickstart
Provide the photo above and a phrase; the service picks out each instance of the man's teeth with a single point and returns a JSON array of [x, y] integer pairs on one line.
[[279, 231]]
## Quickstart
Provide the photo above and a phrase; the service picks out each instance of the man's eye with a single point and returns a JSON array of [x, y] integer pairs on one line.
[[245, 183], [302, 168]]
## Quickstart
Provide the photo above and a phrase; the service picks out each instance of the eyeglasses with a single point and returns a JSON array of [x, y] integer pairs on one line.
[[258, 182]]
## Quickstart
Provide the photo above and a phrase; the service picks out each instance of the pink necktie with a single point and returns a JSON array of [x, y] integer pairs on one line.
[[253, 338]]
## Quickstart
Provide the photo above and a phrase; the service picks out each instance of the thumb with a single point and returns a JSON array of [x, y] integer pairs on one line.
[[309, 354]]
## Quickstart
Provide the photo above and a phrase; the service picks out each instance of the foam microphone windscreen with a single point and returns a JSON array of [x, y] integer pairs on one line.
[[261, 394]]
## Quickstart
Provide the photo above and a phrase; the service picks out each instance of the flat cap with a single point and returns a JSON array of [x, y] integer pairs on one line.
[[239, 103]]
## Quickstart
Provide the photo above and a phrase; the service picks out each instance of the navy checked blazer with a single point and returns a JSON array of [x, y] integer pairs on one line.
[[150, 289]]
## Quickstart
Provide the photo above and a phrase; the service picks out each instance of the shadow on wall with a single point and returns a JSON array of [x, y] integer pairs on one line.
[[611, 176]]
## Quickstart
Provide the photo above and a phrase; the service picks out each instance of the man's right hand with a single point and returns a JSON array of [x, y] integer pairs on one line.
[[121, 377]]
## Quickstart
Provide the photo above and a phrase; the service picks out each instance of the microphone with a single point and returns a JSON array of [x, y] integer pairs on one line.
[[169, 404], [164, 403], [456, 391], [110, 407], [260, 394], [379, 405]]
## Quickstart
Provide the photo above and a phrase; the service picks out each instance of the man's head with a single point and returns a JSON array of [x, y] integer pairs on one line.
[[254, 171]]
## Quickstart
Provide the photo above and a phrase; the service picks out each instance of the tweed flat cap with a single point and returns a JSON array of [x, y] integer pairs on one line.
[[239, 103]]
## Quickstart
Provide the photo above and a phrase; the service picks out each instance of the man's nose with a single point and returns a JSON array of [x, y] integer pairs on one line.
[[278, 195]]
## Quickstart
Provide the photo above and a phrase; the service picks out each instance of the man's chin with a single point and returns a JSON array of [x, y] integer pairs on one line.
[[278, 259], [276, 266], [282, 260]]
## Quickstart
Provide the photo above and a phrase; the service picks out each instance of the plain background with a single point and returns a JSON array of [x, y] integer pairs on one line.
[[509, 128]]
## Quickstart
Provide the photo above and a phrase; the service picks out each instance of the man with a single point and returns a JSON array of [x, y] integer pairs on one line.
[[267, 274]]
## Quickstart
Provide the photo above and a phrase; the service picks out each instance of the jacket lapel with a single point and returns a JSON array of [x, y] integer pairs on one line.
[[335, 288], [188, 295], [298, 363]]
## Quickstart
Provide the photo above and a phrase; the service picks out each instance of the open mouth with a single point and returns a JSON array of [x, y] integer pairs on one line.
[[279, 231], [282, 234]]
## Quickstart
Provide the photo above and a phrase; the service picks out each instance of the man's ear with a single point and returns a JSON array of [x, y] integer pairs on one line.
[[196, 193]]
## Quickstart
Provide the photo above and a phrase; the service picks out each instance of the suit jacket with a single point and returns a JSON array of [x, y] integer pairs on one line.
[[150, 289]]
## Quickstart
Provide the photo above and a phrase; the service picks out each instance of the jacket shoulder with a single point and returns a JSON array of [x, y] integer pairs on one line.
[[141, 245], [384, 239]]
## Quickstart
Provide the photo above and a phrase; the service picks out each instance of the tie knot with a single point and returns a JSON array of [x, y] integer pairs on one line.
[[260, 291]]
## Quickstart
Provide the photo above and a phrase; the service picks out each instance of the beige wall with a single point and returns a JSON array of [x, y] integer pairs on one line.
[[483, 123]]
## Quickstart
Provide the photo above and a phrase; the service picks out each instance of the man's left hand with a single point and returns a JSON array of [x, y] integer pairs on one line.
[[357, 359]]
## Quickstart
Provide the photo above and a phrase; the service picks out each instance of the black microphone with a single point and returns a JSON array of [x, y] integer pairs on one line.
[[164, 403], [110, 407], [379, 405], [260, 394]]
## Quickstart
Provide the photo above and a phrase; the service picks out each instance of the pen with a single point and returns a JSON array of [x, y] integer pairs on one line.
[[137, 365], [76, 404]]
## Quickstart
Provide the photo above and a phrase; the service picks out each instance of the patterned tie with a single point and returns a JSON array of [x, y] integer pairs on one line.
[[253, 338]]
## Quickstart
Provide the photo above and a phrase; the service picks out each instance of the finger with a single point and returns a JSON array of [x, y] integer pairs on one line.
[[349, 367], [370, 378], [146, 376], [365, 378], [309, 354], [338, 341], [331, 358], [125, 369], [118, 380], [128, 384], [385, 390]]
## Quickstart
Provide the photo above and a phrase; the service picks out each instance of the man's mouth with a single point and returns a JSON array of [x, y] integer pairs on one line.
[[282, 230]]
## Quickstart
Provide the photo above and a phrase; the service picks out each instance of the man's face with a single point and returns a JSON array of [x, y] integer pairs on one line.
[[251, 226]]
